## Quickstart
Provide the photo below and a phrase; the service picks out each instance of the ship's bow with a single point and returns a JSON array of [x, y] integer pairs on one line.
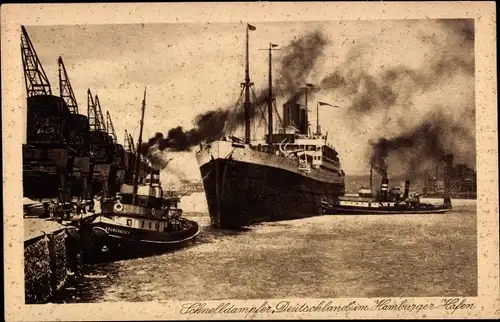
[[214, 160]]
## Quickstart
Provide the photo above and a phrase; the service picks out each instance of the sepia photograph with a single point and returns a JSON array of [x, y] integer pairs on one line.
[[251, 167]]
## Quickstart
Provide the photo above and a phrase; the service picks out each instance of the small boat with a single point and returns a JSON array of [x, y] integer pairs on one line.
[[141, 219], [141, 224], [386, 202]]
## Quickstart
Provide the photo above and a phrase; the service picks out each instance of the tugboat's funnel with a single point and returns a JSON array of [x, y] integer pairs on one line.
[[407, 190], [153, 178], [384, 186]]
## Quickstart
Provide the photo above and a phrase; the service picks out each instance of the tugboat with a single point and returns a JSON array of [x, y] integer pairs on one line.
[[141, 219], [387, 201]]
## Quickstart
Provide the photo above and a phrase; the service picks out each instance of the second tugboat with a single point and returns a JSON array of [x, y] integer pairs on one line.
[[141, 219], [390, 201]]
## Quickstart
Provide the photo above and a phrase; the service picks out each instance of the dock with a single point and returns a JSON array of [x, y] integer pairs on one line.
[[50, 257], [35, 228]]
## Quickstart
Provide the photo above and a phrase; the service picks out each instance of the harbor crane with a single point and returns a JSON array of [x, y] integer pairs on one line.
[[96, 120], [98, 111], [110, 127], [65, 90], [126, 145], [129, 143], [131, 156], [37, 82], [53, 133]]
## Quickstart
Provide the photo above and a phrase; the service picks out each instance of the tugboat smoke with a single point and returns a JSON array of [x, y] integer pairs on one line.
[[297, 61], [431, 140], [398, 95]]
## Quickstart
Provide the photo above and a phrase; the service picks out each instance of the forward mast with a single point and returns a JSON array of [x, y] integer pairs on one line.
[[247, 105]]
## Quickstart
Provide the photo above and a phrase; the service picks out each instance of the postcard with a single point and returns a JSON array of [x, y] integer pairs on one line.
[[259, 160]]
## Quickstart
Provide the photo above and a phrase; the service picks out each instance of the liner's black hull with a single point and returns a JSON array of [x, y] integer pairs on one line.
[[241, 193]]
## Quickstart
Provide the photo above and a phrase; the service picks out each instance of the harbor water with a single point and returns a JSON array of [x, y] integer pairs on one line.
[[318, 257]]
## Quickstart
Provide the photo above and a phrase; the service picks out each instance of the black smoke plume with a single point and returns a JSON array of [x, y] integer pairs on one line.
[[374, 92], [296, 63], [393, 93], [210, 125], [435, 137]]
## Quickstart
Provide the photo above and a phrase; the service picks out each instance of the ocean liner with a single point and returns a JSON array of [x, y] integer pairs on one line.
[[287, 175]]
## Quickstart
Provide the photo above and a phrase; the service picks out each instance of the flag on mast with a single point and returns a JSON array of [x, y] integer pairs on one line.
[[328, 104], [250, 27]]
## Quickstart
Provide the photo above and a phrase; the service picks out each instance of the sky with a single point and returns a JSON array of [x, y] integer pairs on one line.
[[190, 69]]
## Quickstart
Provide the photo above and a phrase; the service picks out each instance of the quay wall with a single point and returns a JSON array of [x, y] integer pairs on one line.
[[46, 265]]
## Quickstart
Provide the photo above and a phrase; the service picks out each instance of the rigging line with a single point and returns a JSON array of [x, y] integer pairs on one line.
[[280, 120], [236, 105], [262, 119], [260, 109]]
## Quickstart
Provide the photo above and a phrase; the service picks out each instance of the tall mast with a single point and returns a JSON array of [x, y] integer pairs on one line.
[[247, 67], [270, 99], [306, 113], [247, 84], [318, 130], [138, 160]]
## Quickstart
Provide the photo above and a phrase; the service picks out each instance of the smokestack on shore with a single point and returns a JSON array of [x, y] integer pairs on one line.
[[448, 168], [384, 186], [407, 190]]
